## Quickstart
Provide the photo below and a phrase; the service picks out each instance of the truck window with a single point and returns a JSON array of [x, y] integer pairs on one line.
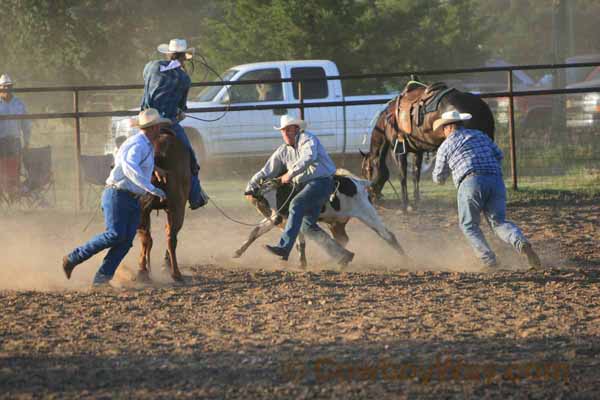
[[260, 91], [310, 89], [209, 92]]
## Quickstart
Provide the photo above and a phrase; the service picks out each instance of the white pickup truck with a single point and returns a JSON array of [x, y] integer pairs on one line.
[[251, 133]]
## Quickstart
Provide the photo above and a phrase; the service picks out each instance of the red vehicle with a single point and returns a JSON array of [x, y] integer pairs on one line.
[[531, 112]]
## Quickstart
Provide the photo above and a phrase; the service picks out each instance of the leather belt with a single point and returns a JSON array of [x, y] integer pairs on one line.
[[134, 195], [470, 174]]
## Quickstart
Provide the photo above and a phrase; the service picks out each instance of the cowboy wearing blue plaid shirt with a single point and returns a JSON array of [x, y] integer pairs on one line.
[[475, 163]]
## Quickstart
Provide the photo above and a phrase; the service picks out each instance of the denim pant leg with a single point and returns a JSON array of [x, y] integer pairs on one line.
[[495, 213], [195, 196], [471, 198], [129, 218], [118, 208], [316, 234], [309, 201]]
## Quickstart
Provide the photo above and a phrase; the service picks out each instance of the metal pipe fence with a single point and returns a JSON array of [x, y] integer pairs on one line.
[[77, 115]]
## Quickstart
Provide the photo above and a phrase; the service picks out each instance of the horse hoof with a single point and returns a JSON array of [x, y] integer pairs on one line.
[[236, 255], [143, 277], [177, 277], [409, 209]]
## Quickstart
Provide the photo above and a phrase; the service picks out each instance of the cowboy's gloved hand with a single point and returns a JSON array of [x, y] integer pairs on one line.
[[286, 178], [161, 175]]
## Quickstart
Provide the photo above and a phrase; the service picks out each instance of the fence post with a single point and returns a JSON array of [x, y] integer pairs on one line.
[[78, 199], [511, 131], [301, 98]]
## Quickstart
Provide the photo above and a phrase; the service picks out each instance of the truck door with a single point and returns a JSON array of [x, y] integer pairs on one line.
[[251, 131], [322, 121]]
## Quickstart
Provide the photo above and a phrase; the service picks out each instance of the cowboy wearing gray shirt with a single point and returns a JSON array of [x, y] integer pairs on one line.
[[311, 169]]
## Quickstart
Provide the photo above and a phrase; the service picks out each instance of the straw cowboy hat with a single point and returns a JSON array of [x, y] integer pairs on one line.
[[177, 46], [5, 80], [288, 120], [149, 117], [450, 117]]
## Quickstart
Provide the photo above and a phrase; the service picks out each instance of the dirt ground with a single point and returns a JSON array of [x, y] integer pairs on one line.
[[254, 328]]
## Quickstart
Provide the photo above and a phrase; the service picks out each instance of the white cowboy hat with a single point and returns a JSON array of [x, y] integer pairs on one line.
[[449, 117], [149, 117], [5, 80], [287, 120], [177, 46]]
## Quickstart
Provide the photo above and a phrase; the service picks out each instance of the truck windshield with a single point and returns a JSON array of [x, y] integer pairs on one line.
[[209, 92]]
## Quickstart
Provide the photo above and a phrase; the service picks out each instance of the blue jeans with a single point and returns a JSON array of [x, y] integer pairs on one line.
[[487, 194], [122, 213], [304, 212], [196, 198]]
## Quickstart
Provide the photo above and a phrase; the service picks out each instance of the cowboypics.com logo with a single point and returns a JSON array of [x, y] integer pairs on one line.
[[324, 370]]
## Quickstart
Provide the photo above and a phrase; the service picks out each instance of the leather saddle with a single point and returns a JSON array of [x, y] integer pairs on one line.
[[415, 101]]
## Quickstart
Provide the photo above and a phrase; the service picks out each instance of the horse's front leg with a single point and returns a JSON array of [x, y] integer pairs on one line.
[[418, 164], [174, 224], [403, 167], [146, 242], [265, 226], [301, 246]]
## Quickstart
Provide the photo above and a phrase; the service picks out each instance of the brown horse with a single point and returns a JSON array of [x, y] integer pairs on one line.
[[174, 158], [406, 125]]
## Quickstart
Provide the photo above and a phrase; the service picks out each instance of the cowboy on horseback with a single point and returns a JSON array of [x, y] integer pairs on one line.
[[475, 163], [128, 181], [311, 170], [166, 86]]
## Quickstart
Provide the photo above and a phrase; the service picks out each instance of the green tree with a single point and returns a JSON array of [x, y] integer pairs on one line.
[[360, 36]]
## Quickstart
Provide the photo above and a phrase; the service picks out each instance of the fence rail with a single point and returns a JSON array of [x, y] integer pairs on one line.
[[76, 115]]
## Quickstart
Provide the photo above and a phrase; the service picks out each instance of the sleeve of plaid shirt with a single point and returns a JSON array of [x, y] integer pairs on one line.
[[441, 172], [497, 152]]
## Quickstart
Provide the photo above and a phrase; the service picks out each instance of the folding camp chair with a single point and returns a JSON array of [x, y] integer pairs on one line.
[[39, 179], [95, 171]]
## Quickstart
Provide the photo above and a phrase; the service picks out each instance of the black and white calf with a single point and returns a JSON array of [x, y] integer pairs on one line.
[[350, 200]]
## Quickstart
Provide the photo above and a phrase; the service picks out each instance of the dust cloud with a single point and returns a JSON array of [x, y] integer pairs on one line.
[[35, 242]]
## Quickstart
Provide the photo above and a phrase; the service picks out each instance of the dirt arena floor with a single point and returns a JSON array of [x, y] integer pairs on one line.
[[253, 328]]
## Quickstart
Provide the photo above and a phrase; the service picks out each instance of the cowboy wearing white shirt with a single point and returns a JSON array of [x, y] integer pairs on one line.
[[129, 179], [311, 169]]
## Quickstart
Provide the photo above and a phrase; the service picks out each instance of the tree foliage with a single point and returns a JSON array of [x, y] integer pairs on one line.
[[94, 42]]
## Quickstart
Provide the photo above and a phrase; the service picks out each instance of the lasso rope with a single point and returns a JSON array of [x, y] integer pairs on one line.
[[260, 223]]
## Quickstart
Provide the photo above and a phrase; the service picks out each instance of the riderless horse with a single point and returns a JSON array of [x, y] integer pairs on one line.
[[406, 126]]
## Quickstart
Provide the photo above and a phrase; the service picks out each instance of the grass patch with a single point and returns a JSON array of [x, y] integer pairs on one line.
[[532, 190]]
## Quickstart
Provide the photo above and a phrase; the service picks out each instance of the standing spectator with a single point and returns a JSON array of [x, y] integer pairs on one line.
[[166, 86], [475, 163], [11, 132]]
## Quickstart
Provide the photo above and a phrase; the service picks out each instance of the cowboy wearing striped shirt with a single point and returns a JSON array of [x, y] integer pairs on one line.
[[475, 163]]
